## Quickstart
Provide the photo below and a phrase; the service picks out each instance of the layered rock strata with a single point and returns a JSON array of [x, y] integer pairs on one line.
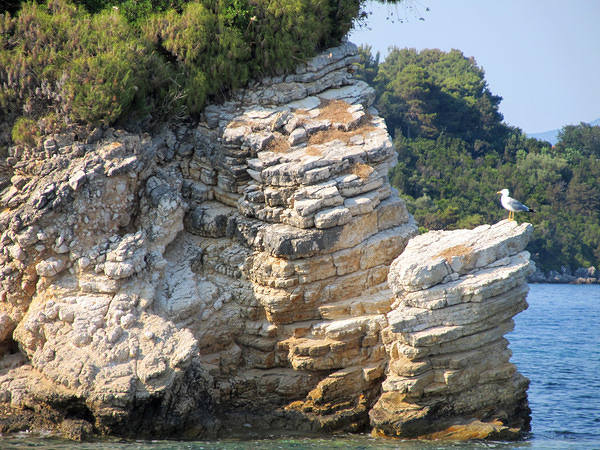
[[238, 266], [449, 373], [226, 274]]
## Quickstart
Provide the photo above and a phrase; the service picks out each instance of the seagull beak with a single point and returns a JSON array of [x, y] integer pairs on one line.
[[499, 192]]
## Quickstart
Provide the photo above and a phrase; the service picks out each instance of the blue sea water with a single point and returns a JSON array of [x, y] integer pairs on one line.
[[556, 344]]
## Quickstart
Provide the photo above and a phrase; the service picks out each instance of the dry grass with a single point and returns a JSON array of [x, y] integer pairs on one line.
[[278, 145], [457, 250], [362, 170], [237, 123], [334, 110], [320, 137], [313, 151]]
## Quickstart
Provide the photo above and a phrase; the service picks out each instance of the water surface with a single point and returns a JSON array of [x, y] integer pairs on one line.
[[556, 344]]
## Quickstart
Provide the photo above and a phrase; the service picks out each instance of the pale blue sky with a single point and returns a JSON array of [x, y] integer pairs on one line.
[[541, 56]]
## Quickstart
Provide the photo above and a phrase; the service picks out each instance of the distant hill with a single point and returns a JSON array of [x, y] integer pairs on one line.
[[552, 135]]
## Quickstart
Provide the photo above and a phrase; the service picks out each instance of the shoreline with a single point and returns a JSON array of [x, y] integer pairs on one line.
[[577, 281], [581, 275]]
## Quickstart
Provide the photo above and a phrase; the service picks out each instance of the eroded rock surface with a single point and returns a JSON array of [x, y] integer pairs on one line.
[[449, 372], [234, 273]]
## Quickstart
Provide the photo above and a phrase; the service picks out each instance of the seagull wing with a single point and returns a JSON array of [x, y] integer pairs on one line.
[[515, 205]]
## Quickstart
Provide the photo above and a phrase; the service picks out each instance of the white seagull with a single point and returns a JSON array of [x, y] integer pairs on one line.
[[512, 205]]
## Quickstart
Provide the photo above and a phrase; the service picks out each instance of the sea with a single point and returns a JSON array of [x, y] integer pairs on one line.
[[555, 343]]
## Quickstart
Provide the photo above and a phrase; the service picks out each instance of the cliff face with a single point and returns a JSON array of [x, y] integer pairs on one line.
[[234, 273]]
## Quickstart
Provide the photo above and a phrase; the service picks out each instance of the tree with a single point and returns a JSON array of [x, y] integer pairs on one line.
[[429, 93], [583, 137], [454, 153], [368, 65]]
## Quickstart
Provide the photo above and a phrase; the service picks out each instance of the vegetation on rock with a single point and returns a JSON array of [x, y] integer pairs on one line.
[[455, 153], [98, 61]]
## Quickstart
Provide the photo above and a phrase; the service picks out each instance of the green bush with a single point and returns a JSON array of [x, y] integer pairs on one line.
[[225, 43], [286, 30], [25, 131], [57, 58], [99, 61], [211, 55], [102, 85], [133, 10]]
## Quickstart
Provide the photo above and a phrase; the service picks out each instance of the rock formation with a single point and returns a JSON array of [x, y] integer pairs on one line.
[[449, 373], [234, 273]]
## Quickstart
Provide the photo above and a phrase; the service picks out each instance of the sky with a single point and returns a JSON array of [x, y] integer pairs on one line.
[[541, 56]]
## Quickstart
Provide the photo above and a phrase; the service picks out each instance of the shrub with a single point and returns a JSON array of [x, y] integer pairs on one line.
[[133, 10], [102, 85], [209, 52], [25, 131], [98, 61], [57, 58], [287, 31]]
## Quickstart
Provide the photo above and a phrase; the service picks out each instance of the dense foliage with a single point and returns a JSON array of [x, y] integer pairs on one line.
[[99, 61], [455, 153]]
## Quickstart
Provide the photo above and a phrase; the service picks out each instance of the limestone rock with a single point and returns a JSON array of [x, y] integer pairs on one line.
[[235, 271], [50, 267], [466, 253], [448, 361]]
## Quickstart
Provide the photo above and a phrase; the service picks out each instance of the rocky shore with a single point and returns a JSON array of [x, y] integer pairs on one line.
[[579, 276], [256, 270]]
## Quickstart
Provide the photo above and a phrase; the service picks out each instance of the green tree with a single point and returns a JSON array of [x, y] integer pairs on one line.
[[584, 137], [454, 153], [429, 93], [368, 65]]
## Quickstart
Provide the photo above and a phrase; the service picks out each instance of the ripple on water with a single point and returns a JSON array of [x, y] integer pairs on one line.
[[556, 344]]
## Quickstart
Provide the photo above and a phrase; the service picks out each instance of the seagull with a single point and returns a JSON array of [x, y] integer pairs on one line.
[[512, 205]]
